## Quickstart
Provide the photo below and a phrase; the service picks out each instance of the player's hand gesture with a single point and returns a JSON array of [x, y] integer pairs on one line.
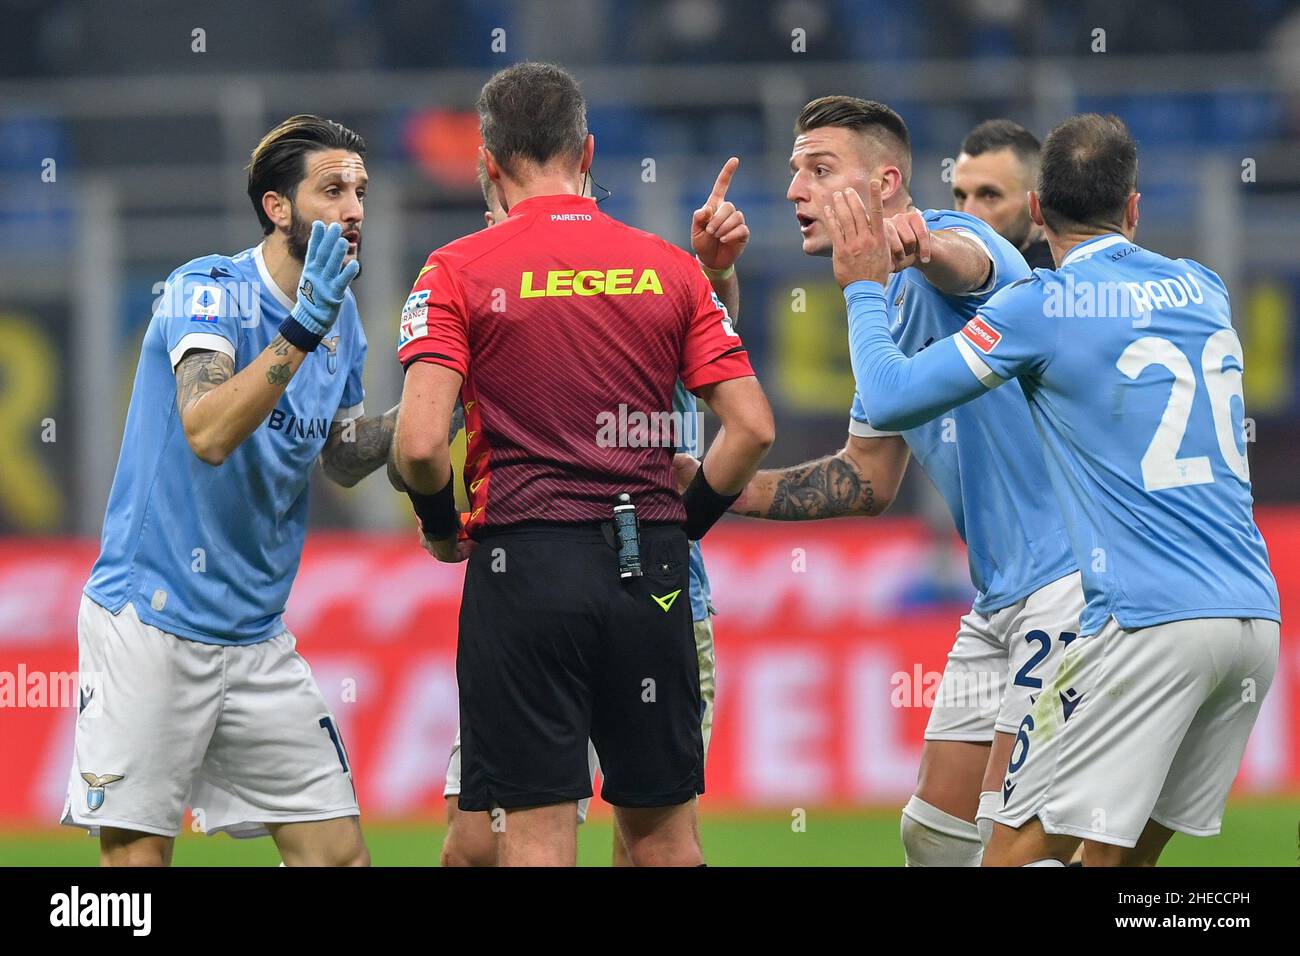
[[861, 247], [718, 230], [909, 239], [324, 279], [448, 550], [684, 469]]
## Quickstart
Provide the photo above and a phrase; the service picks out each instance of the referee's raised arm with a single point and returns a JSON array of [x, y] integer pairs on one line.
[[564, 333]]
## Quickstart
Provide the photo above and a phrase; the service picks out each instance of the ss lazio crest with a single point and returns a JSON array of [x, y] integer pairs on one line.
[[96, 784], [332, 353]]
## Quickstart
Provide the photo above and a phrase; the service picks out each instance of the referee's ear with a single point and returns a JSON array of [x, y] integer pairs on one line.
[[588, 152], [489, 164]]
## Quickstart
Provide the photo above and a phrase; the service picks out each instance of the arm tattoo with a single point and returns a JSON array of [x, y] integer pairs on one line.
[[278, 374], [354, 449], [200, 372], [280, 345], [826, 488]]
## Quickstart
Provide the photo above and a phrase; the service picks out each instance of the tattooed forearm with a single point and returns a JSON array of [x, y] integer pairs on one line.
[[356, 448], [201, 372], [279, 374], [826, 488], [280, 346]]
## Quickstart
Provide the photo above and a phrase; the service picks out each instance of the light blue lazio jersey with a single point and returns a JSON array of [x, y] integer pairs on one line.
[[209, 553], [685, 405], [1133, 372], [984, 457]]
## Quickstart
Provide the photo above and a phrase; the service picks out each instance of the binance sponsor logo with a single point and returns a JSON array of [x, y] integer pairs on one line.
[[590, 282]]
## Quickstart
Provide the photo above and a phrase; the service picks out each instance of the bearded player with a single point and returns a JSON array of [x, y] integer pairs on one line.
[[995, 170], [249, 372]]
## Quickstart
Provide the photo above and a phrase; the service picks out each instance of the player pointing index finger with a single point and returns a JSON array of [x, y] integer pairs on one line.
[[1024, 573], [723, 181], [718, 229]]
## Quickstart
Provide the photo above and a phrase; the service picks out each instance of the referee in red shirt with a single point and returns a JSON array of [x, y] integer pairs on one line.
[[549, 327]]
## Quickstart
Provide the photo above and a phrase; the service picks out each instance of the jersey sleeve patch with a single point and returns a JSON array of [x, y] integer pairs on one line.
[[205, 303], [415, 317], [982, 335]]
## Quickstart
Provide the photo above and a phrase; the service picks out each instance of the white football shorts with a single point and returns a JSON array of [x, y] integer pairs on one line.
[[1144, 724], [239, 733], [1001, 660]]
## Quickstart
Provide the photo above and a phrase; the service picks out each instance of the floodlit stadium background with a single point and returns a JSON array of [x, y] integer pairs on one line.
[[124, 129]]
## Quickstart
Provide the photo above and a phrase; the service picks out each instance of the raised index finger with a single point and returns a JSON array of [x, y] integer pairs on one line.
[[724, 180]]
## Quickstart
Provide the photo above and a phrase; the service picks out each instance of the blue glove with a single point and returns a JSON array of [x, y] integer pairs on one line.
[[321, 288]]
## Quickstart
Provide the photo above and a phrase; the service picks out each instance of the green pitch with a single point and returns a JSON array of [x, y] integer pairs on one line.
[[1255, 833]]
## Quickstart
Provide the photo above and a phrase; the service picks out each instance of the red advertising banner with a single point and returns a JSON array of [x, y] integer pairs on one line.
[[830, 641]]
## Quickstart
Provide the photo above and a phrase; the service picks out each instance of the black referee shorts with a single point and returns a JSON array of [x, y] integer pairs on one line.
[[555, 648]]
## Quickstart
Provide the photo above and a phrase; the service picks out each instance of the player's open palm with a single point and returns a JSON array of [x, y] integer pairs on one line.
[[718, 230], [325, 278], [858, 237]]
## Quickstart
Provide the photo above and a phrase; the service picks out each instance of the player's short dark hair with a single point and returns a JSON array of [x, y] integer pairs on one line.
[[533, 112], [993, 135], [278, 163], [1087, 171], [873, 119]]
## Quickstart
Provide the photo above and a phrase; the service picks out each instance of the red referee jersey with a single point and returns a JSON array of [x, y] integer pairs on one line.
[[556, 318]]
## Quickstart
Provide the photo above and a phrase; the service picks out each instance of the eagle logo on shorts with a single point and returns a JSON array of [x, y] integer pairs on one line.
[[95, 795]]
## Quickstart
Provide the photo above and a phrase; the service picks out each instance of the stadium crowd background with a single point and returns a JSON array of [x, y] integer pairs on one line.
[[125, 130]]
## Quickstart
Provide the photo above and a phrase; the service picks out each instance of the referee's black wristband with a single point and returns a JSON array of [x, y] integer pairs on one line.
[[704, 506], [299, 335], [437, 512]]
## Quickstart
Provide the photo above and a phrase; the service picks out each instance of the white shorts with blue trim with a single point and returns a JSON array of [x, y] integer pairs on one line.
[[1001, 661], [1147, 724]]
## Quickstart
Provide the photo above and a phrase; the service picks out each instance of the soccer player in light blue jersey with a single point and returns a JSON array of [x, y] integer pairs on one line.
[[984, 461], [1133, 373], [719, 235], [250, 372]]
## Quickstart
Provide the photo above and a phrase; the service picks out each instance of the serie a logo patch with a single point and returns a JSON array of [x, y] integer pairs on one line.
[[982, 336], [205, 304]]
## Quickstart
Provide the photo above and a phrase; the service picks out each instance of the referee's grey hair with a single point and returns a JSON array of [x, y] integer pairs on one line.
[[532, 112]]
